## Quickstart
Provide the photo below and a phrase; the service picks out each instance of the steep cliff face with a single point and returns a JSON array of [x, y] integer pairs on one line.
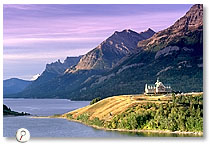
[[110, 51]]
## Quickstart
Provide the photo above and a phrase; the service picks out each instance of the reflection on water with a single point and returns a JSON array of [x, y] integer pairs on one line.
[[152, 134]]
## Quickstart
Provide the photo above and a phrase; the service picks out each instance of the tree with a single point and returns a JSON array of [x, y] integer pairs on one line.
[[173, 99], [95, 100]]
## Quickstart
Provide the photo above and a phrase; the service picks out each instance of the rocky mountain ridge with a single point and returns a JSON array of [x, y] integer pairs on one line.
[[111, 50], [59, 68]]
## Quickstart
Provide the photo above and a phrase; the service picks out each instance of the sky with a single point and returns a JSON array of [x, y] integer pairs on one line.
[[37, 34]]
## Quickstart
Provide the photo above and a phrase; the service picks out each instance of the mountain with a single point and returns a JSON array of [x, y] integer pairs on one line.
[[175, 55], [56, 69], [111, 50], [61, 79], [51, 72], [14, 85], [127, 60], [59, 68], [184, 32]]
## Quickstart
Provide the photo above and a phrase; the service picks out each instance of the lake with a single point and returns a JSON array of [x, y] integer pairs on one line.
[[49, 127], [54, 127]]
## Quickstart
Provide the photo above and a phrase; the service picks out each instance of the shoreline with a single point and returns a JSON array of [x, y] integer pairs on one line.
[[199, 134]]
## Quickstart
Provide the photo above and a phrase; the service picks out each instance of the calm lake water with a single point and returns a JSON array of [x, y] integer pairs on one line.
[[54, 127]]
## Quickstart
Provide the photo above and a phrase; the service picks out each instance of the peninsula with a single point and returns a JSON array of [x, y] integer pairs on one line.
[[8, 111], [181, 113]]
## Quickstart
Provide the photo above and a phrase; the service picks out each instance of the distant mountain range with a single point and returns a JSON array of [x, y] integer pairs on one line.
[[14, 85], [125, 61]]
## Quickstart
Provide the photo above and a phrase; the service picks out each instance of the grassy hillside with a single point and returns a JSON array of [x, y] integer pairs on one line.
[[114, 105], [183, 113]]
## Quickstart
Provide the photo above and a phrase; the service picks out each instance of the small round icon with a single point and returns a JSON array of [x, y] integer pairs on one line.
[[22, 135]]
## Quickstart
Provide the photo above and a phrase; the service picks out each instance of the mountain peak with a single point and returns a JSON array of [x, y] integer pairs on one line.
[[190, 22], [128, 30], [196, 7], [149, 30], [124, 32], [148, 33]]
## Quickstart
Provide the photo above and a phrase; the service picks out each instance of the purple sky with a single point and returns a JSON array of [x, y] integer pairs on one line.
[[38, 34]]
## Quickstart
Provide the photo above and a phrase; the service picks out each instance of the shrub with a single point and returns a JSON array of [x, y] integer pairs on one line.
[[96, 121], [95, 100], [69, 116]]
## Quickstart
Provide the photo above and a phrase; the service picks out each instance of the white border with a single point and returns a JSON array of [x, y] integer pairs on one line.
[[92, 141]]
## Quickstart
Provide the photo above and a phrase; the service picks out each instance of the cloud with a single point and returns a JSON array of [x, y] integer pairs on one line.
[[81, 29], [20, 6], [43, 56], [22, 41]]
